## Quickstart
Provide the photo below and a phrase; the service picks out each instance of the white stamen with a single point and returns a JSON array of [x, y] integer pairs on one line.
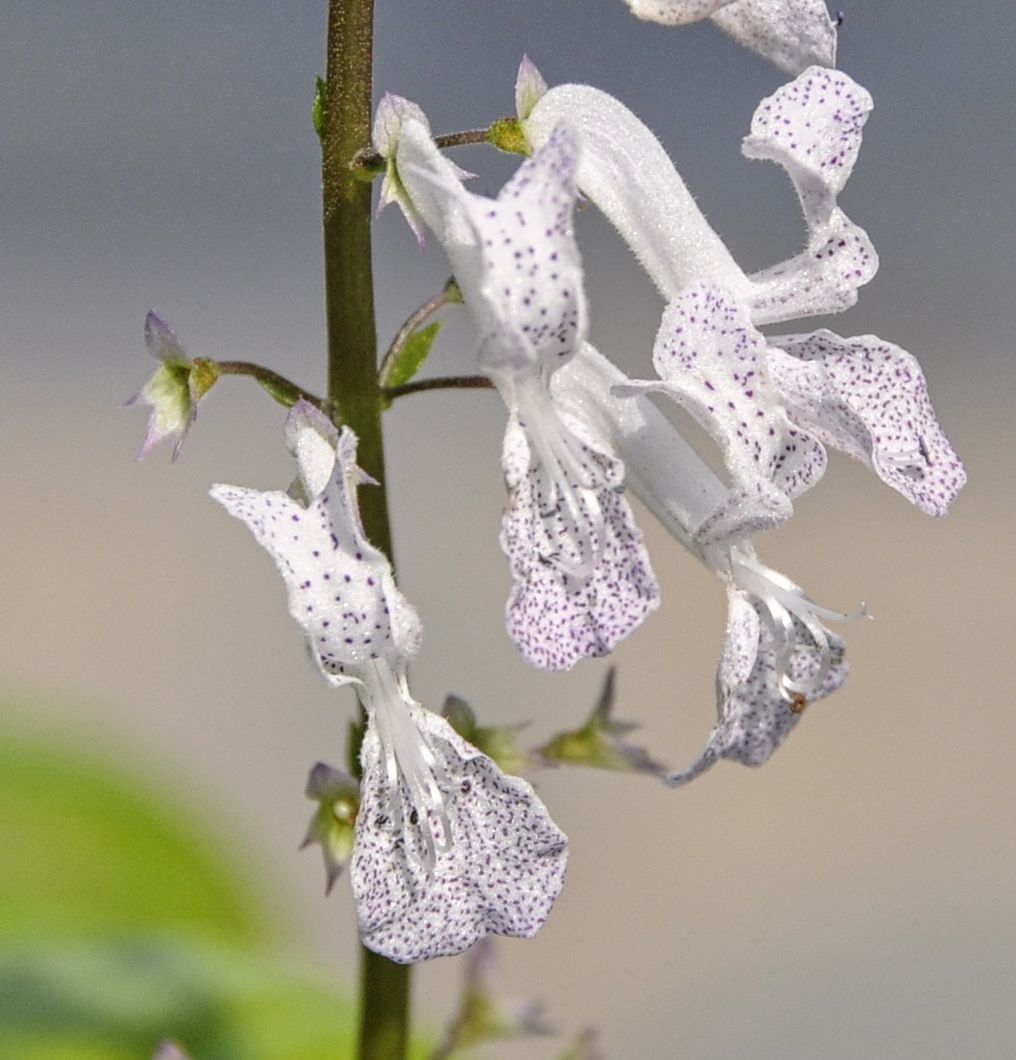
[[409, 760], [784, 602], [574, 480]]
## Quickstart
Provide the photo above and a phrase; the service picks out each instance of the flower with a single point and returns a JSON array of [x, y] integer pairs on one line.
[[175, 389], [581, 576], [333, 826], [447, 848], [392, 111], [770, 403], [777, 659], [778, 656], [791, 33]]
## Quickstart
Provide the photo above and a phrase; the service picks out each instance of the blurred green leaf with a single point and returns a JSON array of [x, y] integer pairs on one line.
[[90, 851], [117, 1001]]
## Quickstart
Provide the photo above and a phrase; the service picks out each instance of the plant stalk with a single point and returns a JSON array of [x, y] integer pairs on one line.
[[352, 386]]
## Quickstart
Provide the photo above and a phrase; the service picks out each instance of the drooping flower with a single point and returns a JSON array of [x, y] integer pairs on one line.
[[175, 389], [581, 576], [777, 659], [770, 403], [778, 655], [792, 34], [447, 847]]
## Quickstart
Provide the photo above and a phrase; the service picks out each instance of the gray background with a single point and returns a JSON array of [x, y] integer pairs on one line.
[[854, 898]]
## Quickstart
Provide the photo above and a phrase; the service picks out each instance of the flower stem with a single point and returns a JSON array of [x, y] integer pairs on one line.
[[369, 163], [441, 382], [282, 389], [352, 386]]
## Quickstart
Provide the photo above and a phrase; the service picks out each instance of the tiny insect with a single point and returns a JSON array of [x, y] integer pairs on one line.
[[798, 702]]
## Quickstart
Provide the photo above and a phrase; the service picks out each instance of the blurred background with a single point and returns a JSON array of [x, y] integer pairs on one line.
[[854, 898]]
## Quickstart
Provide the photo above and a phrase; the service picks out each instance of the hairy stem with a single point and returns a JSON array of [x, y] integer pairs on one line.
[[282, 389], [352, 386]]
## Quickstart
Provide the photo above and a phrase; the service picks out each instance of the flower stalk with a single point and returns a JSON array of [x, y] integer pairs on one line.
[[352, 385]]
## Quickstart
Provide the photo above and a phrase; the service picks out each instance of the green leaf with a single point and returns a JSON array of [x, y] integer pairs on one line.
[[410, 358], [319, 111], [88, 849]]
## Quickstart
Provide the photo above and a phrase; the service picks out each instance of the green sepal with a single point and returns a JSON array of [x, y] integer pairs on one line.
[[204, 374], [499, 742], [598, 743], [319, 111], [507, 134], [409, 360]]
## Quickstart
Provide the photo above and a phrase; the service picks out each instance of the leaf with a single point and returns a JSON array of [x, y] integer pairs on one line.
[[319, 111], [89, 849], [410, 358]]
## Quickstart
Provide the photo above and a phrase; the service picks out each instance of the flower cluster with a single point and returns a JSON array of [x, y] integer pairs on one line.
[[443, 846], [580, 432]]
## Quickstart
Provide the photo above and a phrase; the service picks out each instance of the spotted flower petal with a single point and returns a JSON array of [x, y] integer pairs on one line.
[[777, 659], [500, 863], [792, 34], [514, 257], [812, 128], [582, 578], [661, 468], [713, 362], [341, 590], [561, 609]]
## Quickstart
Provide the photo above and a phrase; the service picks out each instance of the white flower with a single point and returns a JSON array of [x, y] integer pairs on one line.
[[777, 659], [447, 847], [778, 656], [175, 389], [791, 33], [582, 579], [770, 403]]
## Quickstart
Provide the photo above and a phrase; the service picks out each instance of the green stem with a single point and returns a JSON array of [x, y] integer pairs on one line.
[[352, 385], [369, 163], [284, 390]]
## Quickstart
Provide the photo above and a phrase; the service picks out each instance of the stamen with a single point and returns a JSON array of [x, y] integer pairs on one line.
[[410, 761], [573, 482], [786, 603]]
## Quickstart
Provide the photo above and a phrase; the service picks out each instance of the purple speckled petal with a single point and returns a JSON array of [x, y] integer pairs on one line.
[[341, 590], [790, 33], [824, 278], [556, 616], [755, 713], [532, 272], [793, 34], [812, 128], [675, 12], [869, 399], [713, 362], [499, 871]]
